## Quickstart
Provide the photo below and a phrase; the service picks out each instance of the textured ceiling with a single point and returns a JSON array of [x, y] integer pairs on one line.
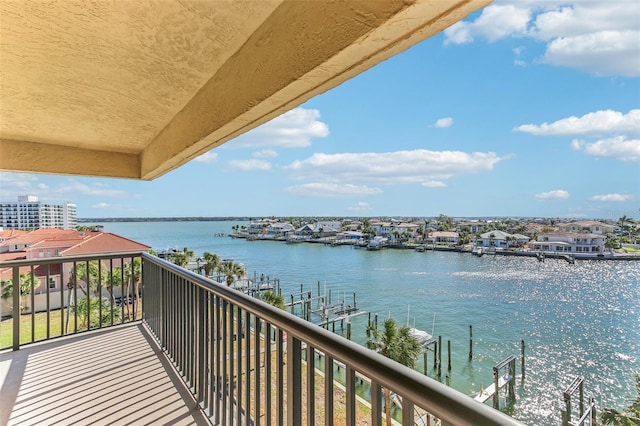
[[134, 89]]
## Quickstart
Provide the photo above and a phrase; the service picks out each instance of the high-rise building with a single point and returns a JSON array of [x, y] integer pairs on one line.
[[30, 213]]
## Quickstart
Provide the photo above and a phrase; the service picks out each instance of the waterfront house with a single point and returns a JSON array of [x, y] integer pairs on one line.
[[569, 242], [319, 229], [448, 238], [279, 230], [472, 227], [586, 226], [501, 239], [258, 227], [135, 90]]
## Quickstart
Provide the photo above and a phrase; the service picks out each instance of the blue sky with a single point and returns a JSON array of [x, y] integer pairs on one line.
[[526, 108]]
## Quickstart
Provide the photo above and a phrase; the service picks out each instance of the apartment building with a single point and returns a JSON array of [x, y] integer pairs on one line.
[[30, 213]]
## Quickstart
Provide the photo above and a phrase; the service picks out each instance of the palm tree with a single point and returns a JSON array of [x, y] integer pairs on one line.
[[25, 288], [231, 270], [211, 262], [396, 343], [629, 417], [274, 299], [181, 258], [133, 277], [87, 272]]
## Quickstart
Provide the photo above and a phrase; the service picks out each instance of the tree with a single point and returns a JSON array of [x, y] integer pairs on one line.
[[274, 299], [25, 288], [133, 278], [396, 343], [231, 271], [181, 258], [91, 275], [612, 242], [631, 414], [99, 311], [211, 262], [622, 220]]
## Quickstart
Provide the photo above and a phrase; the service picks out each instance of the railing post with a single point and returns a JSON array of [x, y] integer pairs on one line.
[[294, 381], [376, 406], [16, 308]]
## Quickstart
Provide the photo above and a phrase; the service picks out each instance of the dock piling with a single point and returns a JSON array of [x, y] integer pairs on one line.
[[449, 355], [522, 357], [470, 342]]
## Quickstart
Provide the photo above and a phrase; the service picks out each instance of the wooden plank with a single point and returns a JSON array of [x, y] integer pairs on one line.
[[488, 393]]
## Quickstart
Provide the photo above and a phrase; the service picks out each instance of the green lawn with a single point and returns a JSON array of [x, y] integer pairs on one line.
[[40, 332]]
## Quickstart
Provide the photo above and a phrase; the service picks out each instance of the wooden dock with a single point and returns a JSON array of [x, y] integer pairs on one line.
[[487, 394]]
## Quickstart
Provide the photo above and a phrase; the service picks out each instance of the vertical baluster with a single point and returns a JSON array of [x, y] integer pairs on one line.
[[239, 389], [16, 308], [311, 384], [376, 406], [247, 366], [33, 303], [232, 370], [328, 390], [267, 369], [223, 358], [350, 390], [257, 326], [48, 301], [294, 380], [99, 293], [280, 377], [407, 412]]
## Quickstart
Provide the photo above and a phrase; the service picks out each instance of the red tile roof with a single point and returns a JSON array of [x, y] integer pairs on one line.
[[105, 242]]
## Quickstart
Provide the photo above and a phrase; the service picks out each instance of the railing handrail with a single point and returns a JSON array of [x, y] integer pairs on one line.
[[68, 259], [440, 400]]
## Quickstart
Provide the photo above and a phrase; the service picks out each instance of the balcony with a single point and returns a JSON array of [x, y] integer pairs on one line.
[[167, 346]]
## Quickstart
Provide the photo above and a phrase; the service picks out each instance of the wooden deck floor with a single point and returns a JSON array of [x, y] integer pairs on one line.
[[116, 376]]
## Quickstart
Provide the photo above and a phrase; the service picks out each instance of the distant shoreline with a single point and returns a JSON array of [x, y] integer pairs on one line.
[[162, 219]]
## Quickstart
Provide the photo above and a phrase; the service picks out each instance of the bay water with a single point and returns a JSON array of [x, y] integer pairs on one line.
[[581, 319]]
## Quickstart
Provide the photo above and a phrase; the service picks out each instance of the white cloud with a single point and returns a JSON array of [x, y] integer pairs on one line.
[[293, 129], [619, 148], [558, 194], [444, 122], [249, 165], [600, 37], [392, 167], [265, 153], [319, 189], [99, 189], [360, 206], [207, 157], [434, 184], [14, 184], [594, 123], [603, 53], [100, 206], [611, 197], [495, 22]]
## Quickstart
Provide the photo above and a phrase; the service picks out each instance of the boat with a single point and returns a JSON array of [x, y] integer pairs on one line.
[[377, 243], [421, 336]]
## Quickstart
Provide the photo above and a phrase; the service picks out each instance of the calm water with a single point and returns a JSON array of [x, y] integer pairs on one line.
[[581, 319]]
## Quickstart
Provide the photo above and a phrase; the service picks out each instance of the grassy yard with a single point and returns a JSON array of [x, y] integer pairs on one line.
[[40, 332]]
